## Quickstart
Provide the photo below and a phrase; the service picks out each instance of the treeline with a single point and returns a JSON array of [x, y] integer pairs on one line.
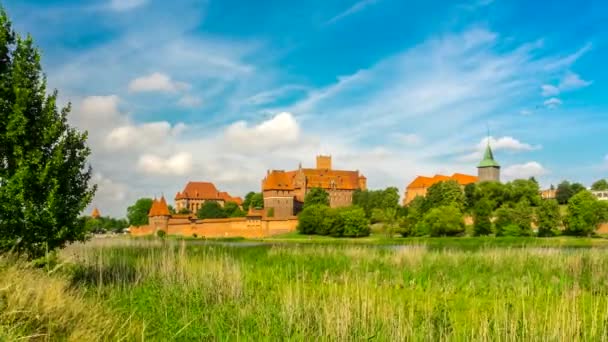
[[509, 209], [105, 224]]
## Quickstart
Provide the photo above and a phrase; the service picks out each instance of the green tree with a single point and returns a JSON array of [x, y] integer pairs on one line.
[[390, 220], [414, 216], [482, 213], [137, 214], [442, 221], [184, 211], [354, 222], [311, 219], [563, 192], [369, 200], [523, 217], [257, 201], [316, 196], [171, 209], [524, 189], [247, 201], [446, 193], [469, 196], [514, 220], [548, 218], [44, 178], [585, 213], [211, 209], [600, 185], [232, 209], [497, 193]]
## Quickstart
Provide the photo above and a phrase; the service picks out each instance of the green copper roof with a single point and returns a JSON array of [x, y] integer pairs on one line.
[[488, 159]]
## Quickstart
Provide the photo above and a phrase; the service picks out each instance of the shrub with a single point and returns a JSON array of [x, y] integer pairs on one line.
[[548, 218], [161, 234], [585, 213], [482, 213], [355, 223], [311, 219], [442, 221], [514, 221]]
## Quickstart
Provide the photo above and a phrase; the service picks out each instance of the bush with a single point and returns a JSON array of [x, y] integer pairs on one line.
[[354, 222], [548, 218], [585, 213], [482, 213], [514, 221], [442, 221], [161, 234], [311, 219]]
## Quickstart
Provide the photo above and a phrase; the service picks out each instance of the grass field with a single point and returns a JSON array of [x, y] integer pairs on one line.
[[435, 289]]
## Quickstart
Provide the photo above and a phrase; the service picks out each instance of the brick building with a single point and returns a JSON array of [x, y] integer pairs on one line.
[[285, 190], [195, 194]]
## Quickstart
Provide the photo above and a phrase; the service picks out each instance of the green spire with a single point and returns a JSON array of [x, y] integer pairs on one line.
[[488, 158]]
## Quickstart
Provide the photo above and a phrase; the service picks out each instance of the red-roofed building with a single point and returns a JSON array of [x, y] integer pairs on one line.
[[195, 194], [285, 190], [420, 185]]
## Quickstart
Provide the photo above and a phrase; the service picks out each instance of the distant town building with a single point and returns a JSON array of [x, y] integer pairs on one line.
[[420, 185], [488, 169], [548, 194], [195, 194], [601, 195], [95, 214], [285, 190]]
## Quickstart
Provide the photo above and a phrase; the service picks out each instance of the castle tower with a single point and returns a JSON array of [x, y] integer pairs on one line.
[[158, 216], [95, 214], [488, 169], [324, 162]]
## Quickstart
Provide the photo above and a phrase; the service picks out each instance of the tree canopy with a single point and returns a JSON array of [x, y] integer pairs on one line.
[[585, 213], [211, 209], [137, 214], [44, 176], [383, 199], [600, 185], [316, 196], [253, 200]]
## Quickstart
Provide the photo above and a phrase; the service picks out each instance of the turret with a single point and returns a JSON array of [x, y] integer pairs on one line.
[[488, 169]]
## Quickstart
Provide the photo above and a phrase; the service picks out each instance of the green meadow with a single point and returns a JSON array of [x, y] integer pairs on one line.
[[298, 289]]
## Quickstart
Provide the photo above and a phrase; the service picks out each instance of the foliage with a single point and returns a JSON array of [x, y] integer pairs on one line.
[[316, 196], [414, 216], [442, 221], [232, 209], [497, 193], [482, 214], [585, 213], [161, 234], [352, 222], [184, 211], [310, 219], [104, 224], [565, 191], [527, 189], [600, 185], [548, 218], [254, 200], [211, 209], [369, 200], [171, 209], [514, 220], [390, 219], [137, 214], [446, 193], [44, 177], [469, 196]]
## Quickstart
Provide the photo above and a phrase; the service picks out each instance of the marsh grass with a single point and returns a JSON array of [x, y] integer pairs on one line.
[[188, 291], [177, 290]]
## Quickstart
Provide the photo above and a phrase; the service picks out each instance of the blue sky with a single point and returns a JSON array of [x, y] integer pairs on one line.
[[221, 91]]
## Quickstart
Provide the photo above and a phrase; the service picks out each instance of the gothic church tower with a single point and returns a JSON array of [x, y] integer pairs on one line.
[[488, 169]]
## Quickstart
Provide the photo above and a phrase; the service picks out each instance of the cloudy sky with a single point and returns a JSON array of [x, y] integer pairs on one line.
[[221, 91]]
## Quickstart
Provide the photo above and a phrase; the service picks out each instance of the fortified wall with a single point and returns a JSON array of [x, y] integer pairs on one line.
[[254, 225]]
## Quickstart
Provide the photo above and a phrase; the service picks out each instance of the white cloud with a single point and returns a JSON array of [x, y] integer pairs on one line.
[[156, 82], [147, 134], [549, 90], [125, 5], [525, 112], [526, 170], [190, 101], [279, 130], [501, 144], [552, 103], [178, 164], [572, 81], [357, 7]]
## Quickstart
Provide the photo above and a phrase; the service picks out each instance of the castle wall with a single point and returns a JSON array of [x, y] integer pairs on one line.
[[412, 193], [281, 200], [340, 198], [220, 228]]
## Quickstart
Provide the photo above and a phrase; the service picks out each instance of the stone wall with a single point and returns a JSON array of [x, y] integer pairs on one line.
[[488, 174], [220, 228]]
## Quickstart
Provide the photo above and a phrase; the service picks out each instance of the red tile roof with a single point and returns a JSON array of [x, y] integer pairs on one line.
[[95, 213], [159, 208], [425, 182], [205, 191]]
